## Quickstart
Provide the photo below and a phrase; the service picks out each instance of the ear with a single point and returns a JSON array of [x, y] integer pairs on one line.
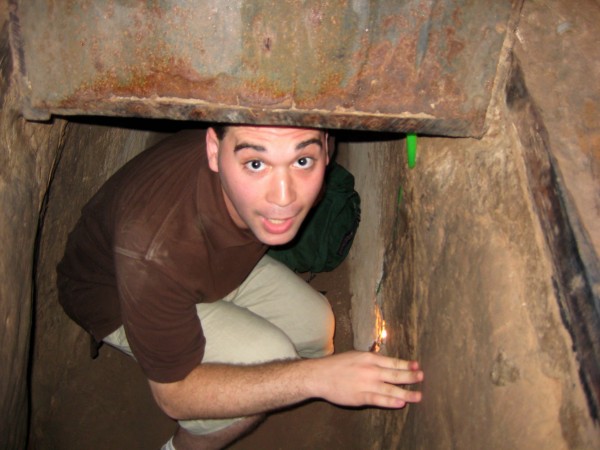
[[212, 149]]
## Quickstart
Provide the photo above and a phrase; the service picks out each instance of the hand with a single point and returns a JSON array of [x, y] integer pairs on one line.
[[364, 378]]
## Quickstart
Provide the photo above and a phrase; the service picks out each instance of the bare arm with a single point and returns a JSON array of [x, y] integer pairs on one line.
[[351, 379]]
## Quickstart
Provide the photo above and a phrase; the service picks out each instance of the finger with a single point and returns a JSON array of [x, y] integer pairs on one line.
[[393, 397], [395, 363], [385, 401], [394, 376], [401, 394]]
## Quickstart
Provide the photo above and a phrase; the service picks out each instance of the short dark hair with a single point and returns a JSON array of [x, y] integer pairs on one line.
[[220, 131]]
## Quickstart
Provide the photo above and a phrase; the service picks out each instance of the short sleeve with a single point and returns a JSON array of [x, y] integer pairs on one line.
[[160, 319]]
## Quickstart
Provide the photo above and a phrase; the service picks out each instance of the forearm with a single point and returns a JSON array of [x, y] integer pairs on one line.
[[218, 391], [351, 379]]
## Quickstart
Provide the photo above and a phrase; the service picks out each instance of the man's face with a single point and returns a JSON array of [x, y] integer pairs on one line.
[[271, 176]]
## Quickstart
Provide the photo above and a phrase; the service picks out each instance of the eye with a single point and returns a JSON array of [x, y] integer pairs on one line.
[[255, 165], [304, 162]]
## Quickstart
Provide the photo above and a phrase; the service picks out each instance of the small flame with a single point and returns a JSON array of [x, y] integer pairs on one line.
[[376, 346], [382, 333]]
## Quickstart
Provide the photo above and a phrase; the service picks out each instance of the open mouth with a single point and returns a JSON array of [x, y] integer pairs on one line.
[[277, 226]]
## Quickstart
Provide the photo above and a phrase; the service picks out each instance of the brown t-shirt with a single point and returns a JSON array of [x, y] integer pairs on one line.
[[152, 243]]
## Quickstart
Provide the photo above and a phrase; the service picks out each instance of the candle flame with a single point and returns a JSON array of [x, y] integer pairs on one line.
[[380, 331], [383, 333], [377, 343]]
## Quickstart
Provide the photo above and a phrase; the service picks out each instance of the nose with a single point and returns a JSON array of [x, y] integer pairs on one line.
[[282, 191]]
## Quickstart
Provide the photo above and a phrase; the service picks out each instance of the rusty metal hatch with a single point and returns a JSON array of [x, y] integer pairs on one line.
[[414, 65]]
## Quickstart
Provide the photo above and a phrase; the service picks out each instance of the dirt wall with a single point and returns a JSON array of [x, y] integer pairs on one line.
[[487, 270], [67, 386], [27, 155], [461, 260]]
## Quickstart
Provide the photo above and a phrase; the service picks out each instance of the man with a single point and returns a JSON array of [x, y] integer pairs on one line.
[[168, 264]]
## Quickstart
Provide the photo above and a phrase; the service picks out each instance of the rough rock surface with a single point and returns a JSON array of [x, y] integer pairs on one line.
[[27, 154], [501, 373], [67, 386]]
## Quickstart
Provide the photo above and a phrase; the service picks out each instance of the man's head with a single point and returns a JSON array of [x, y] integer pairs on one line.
[[270, 176]]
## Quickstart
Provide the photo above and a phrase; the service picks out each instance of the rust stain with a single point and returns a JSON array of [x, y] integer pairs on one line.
[[337, 62]]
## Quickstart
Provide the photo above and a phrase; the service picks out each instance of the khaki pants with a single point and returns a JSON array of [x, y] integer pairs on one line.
[[273, 315]]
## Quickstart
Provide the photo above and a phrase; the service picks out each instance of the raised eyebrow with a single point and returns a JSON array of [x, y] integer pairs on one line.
[[308, 142], [245, 145], [260, 148]]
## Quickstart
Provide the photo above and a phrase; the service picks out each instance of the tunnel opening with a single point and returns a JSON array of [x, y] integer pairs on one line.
[[113, 383], [464, 257]]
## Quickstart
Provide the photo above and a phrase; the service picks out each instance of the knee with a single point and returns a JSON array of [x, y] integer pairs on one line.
[[319, 327], [271, 344], [259, 345]]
